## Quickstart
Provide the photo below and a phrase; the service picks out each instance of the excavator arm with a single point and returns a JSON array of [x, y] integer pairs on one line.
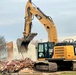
[[46, 21]]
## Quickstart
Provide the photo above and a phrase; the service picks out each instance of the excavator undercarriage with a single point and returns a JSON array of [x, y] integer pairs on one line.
[[45, 66], [53, 66]]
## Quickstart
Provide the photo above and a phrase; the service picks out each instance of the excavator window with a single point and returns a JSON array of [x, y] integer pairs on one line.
[[45, 50], [75, 51], [41, 48], [46, 47]]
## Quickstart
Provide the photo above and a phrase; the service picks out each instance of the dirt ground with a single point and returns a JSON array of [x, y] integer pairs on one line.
[[32, 72], [44, 73]]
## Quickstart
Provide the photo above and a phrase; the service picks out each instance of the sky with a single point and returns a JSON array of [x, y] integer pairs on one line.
[[12, 13]]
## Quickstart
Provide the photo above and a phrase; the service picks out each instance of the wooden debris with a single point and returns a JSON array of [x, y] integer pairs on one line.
[[16, 65]]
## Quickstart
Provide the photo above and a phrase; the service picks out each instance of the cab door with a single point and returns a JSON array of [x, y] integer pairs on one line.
[[40, 51], [45, 50]]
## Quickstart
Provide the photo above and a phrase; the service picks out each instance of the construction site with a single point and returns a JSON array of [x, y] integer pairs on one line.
[[26, 56]]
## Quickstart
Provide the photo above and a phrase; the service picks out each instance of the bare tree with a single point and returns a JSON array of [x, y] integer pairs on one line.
[[2, 43], [2, 47]]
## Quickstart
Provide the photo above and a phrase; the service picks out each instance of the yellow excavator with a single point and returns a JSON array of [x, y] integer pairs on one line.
[[46, 21], [52, 55]]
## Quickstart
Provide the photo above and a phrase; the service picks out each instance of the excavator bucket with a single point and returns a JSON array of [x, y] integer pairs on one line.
[[22, 44]]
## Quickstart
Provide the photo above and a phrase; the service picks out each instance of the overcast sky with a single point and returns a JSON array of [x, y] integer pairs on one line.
[[12, 12]]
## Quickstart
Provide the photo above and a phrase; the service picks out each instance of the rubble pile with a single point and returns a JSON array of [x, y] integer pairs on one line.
[[16, 65]]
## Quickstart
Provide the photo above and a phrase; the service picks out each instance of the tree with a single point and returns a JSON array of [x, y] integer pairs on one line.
[[2, 43], [2, 47]]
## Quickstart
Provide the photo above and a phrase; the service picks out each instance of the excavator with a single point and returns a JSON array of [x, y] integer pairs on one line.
[[46, 21], [52, 55]]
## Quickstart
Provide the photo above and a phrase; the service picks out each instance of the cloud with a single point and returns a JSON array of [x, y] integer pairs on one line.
[[6, 22], [20, 1], [12, 14], [17, 1], [68, 13]]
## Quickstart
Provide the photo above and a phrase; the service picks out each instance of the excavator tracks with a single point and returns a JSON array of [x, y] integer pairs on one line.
[[74, 66], [55, 66], [47, 67]]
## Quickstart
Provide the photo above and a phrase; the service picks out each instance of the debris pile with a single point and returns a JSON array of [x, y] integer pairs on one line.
[[16, 65]]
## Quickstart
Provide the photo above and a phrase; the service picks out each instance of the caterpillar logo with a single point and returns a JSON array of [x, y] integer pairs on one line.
[[38, 16]]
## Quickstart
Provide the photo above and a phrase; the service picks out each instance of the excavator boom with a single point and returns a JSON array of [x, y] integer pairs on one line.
[[47, 22]]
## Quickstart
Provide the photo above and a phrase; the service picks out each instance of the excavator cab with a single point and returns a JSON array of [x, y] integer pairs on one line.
[[45, 50]]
